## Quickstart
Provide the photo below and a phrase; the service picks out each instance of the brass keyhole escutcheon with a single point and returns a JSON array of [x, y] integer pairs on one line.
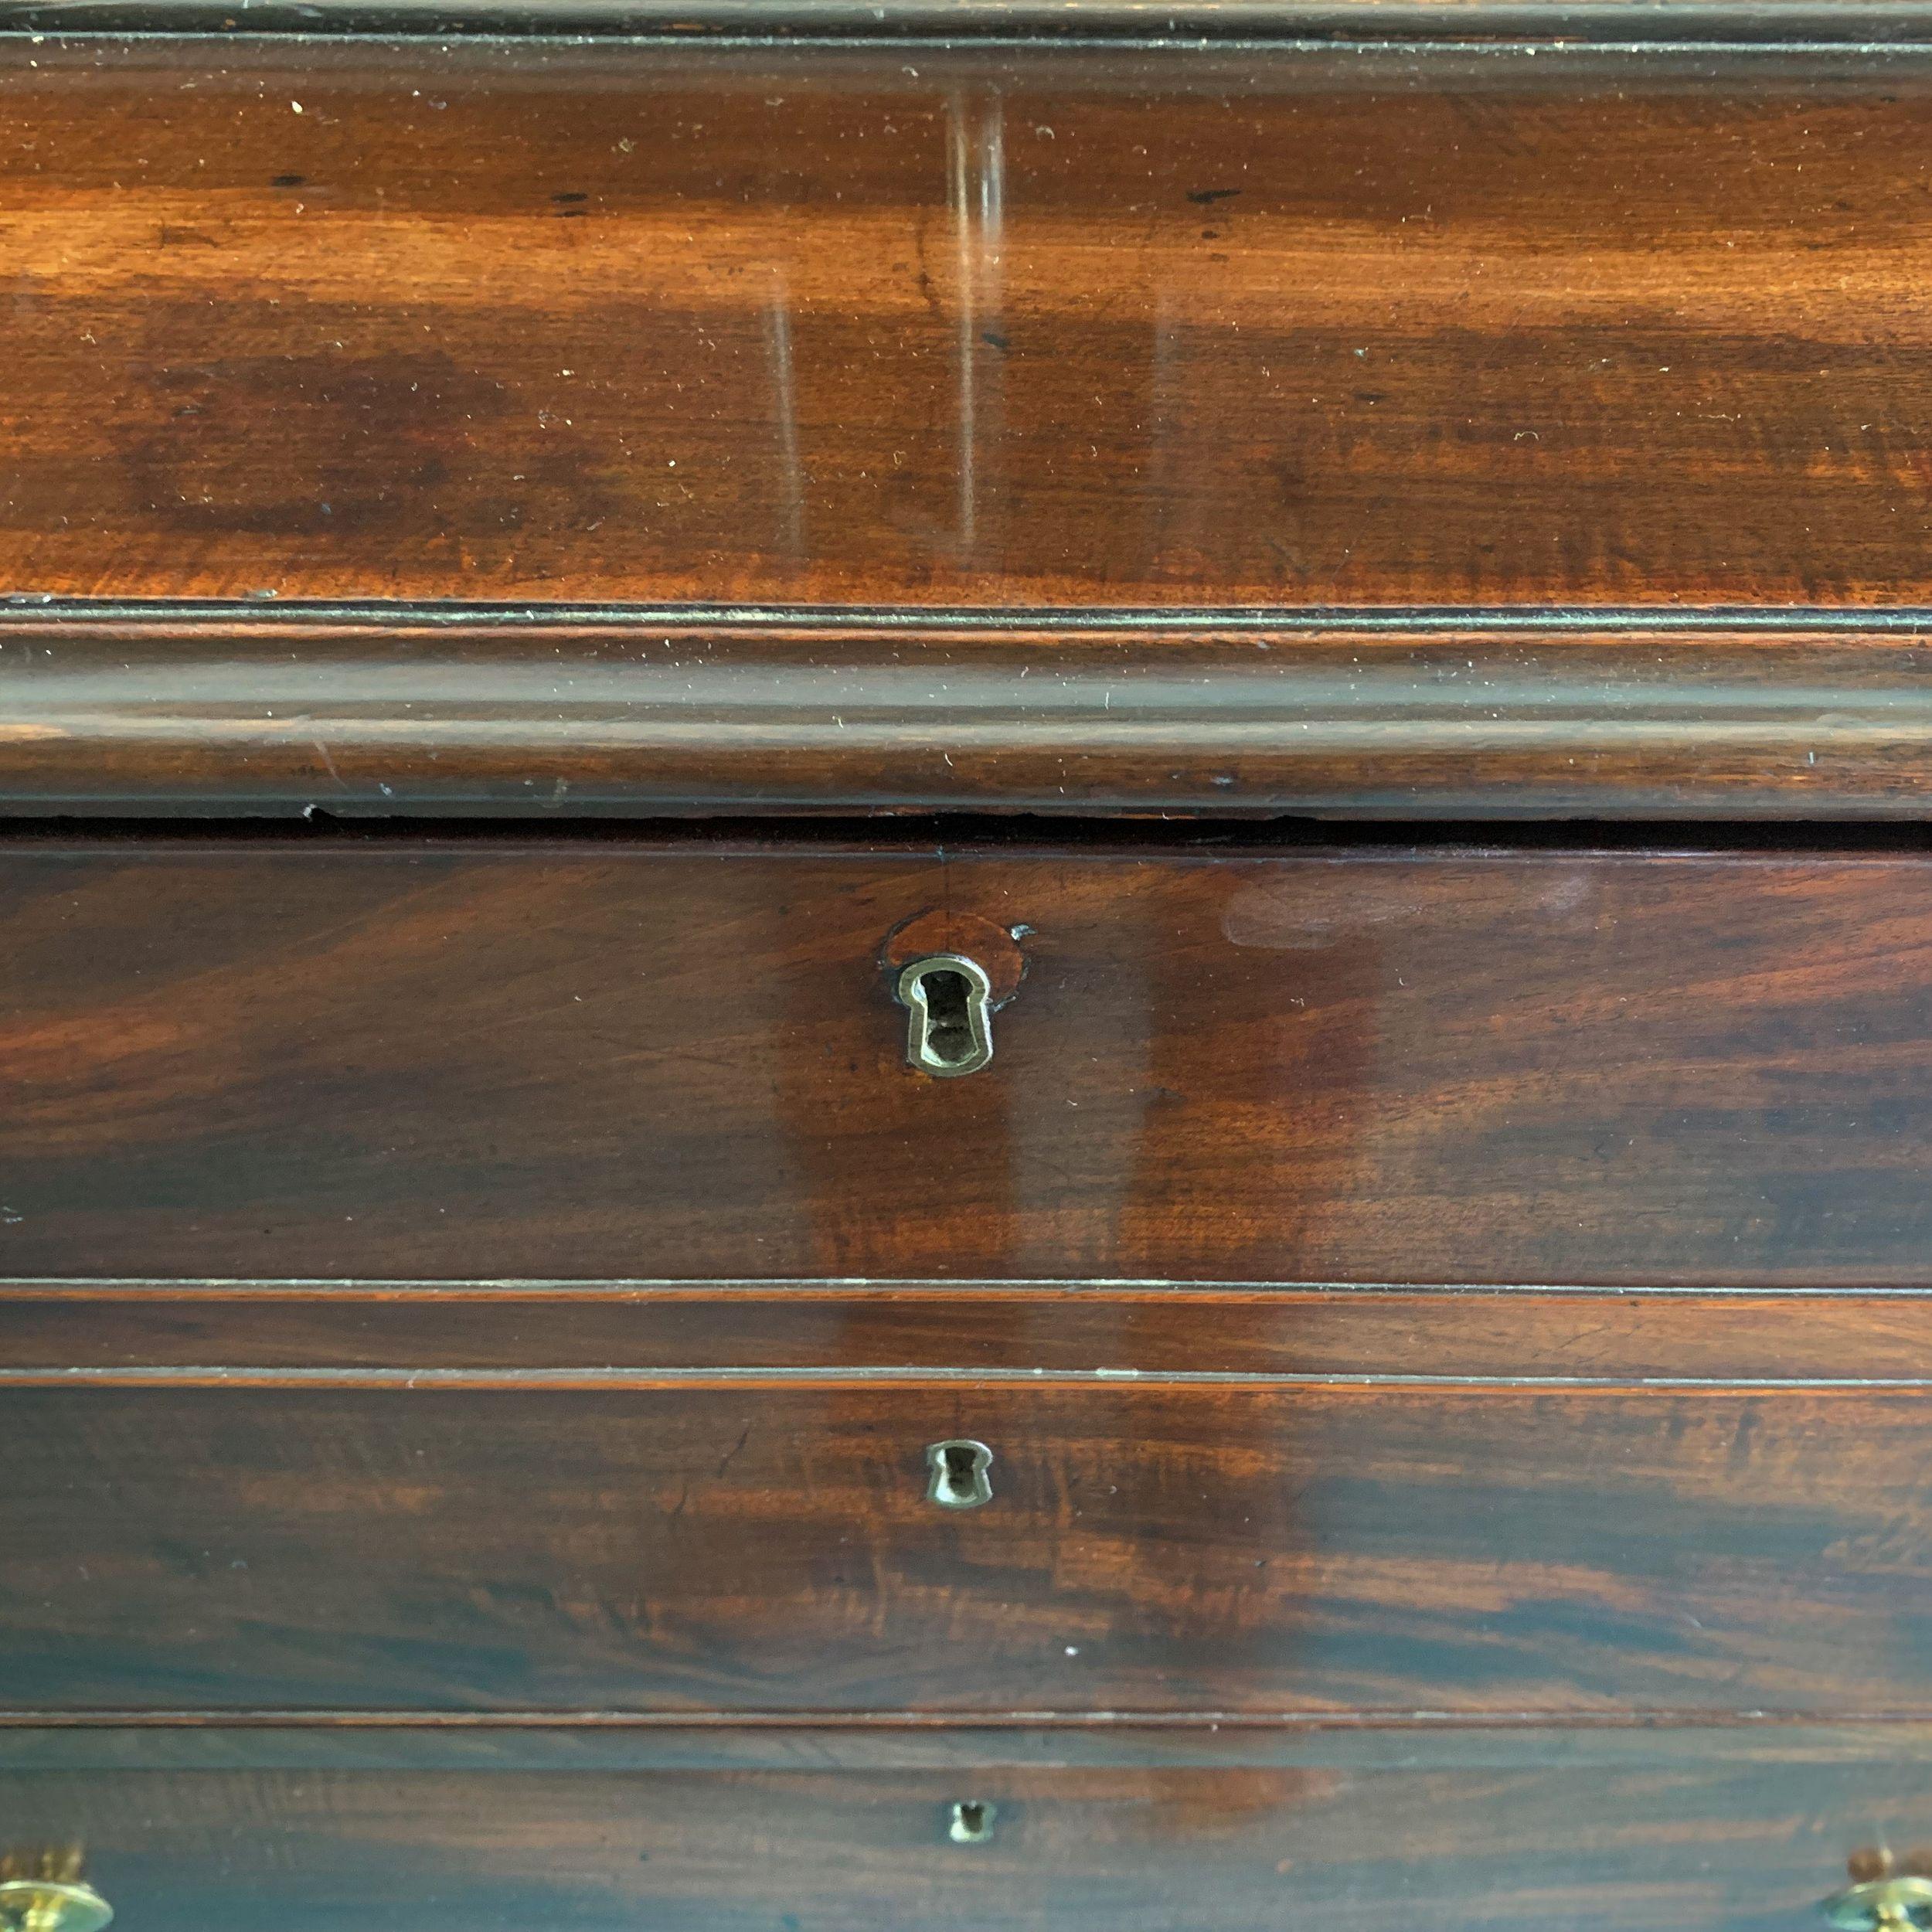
[[971, 1821], [1899, 1904], [960, 1480], [949, 1003]]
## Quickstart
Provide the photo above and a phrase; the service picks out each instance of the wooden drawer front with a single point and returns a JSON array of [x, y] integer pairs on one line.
[[833, 326], [336, 1059], [1155, 1548], [1673, 1845]]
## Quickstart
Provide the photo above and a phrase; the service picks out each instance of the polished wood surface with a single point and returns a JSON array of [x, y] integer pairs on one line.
[[1150, 1546], [1452, 1324], [1009, 326], [594, 1334], [1478, 21], [156, 709], [1349, 1743], [1668, 1847], [339, 1057]]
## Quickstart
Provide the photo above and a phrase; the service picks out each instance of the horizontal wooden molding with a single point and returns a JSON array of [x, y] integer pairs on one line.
[[453, 1335], [108, 1741], [1448, 21], [939, 1382], [192, 709]]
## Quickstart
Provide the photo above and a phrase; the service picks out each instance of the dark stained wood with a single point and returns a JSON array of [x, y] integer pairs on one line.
[[578, 1742], [152, 709], [1149, 1547], [616, 1059], [1455, 20], [983, 1328], [1004, 325], [476, 1308], [1671, 1847]]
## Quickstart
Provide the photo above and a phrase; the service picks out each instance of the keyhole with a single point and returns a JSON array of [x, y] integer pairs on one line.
[[949, 1028], [948, 998], [972, 1821], [960, 1480]]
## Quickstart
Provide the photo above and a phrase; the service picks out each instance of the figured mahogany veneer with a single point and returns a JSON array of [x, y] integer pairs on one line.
[[755, 1545], [1675, 1845], [336, 1057], [1452, 1324]]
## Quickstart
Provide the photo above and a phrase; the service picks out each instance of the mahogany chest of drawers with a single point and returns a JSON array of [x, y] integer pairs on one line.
[[966, 966]]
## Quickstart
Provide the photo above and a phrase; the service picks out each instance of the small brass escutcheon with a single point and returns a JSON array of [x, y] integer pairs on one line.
[[1901, 1904], [949, 1001], [959, 1472], [971, 1821]]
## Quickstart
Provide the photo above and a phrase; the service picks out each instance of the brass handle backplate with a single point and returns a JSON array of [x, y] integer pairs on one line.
[[1902, 1904], [51, 1905]]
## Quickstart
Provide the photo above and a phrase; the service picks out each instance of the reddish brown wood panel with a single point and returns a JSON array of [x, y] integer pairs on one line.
[[1010, 325], [978, 1327], [1149, 1547], [1672, 1847], [612, 1060]]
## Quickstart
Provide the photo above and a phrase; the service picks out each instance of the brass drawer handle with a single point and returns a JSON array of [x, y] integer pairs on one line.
[[949, 1001], [51, 1905], [1902, 1904]]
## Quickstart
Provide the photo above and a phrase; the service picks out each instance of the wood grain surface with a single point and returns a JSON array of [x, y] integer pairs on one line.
[[484, 1303], [577, 1742], [348, 1057], [598, 1333], [161, 709], [1613, 21], [1149, 1547], [1670, 1847], [1008, 325]]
